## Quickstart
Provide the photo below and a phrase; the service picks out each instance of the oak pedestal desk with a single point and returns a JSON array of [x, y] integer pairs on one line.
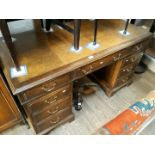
[[46, 92]]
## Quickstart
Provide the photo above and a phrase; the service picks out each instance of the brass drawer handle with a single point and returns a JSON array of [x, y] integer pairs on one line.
[[124, 80], [55, 121], [90, 70], [119, 54], [116, 58], [50, 102], [138, 47], [84, 71], [49, 89], [53, 112], [128, 70], [133, 59], [91, 67]]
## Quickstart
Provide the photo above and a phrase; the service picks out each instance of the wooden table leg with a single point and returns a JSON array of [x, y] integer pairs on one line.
[[152, 29], [7, 37], [133, 21], [126, 26], [77, 24], [95, 31], [48, 24]]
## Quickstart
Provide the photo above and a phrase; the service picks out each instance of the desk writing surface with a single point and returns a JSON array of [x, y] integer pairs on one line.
[[48, 55]]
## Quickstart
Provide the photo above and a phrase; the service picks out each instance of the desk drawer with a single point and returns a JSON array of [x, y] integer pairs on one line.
[[87, 69], [126, 70], [44, 88], [138, 48], [52, 110], [53, 121], [51, 99], [133, 59], [123, 80]]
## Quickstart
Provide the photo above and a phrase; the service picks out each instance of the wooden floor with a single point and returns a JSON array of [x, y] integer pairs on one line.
[[99, 109]]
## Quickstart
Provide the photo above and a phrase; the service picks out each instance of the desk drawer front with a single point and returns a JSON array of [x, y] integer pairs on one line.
[[123, 80], [130, 50], [133, 59], [44, 88], [93, 66], [53, 121], [126, 70], [122, 54], [48, 100], [53, 110]]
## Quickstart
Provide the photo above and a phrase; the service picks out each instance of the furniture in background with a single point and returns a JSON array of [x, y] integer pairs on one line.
[[46, 92], [133, 120], [9, 112], [75, 31], [7, 37], [147, 58]]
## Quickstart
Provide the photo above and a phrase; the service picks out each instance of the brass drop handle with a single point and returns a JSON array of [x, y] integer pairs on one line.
[[50, 102], [124, 80], [128, 70], [46, 89], [53, 112], [90, 69], [84, 71], [141, 53], [55, 121], [133, 59], [119, 54], [138, 47], [115, 58]]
